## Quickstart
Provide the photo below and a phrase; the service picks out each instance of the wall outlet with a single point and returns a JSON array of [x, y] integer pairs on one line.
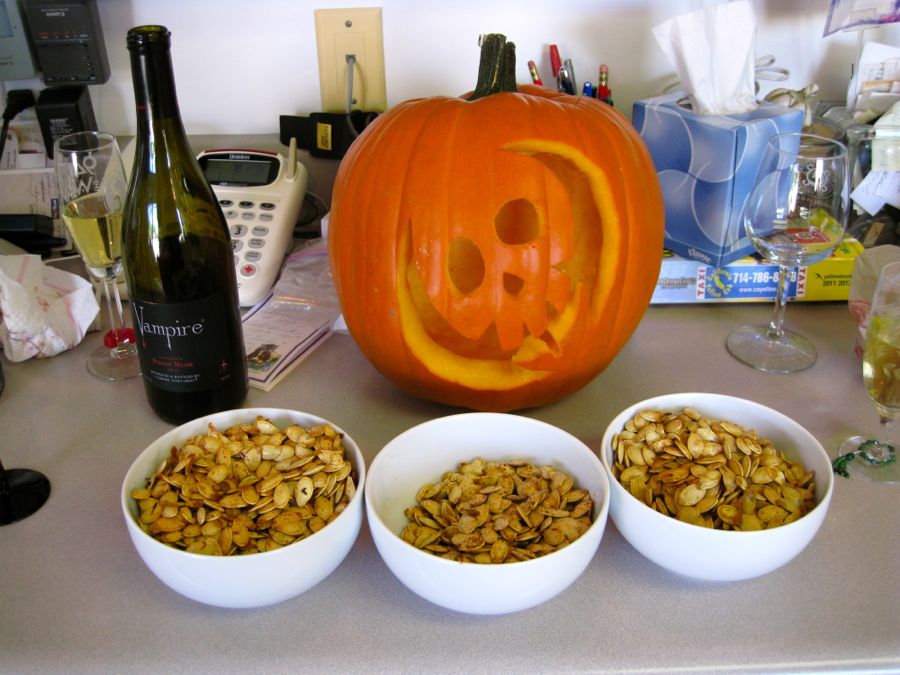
[[339, 34]]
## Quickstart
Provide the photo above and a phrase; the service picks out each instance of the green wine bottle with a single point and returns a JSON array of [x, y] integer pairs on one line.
[[179, 264]]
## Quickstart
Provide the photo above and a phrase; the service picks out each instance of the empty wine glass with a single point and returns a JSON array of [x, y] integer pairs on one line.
[[861, 456], [92, 187], [796, 215]]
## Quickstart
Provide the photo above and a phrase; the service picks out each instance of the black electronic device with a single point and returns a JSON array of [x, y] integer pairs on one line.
[[62, 111], [32, 232], [68, 41]]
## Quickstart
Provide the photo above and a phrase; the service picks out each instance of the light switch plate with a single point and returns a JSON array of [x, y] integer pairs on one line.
[[357, 32]]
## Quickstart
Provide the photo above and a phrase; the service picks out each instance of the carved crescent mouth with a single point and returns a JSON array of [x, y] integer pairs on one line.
[[457, 358]]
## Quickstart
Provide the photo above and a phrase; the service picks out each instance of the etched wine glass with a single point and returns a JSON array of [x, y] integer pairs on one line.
[[796, 215], [92, 186], [862, 456]]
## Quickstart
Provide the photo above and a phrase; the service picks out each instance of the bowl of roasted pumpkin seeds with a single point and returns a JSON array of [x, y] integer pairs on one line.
[[486, 513], [245, 508], [715, 487]]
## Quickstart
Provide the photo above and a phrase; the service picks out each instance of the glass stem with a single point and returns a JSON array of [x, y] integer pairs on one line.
[[116, 315], [887, 431], [781, 297], [880, 452]]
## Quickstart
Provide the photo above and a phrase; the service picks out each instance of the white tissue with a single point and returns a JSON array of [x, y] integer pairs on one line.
[[43, 310], [712, 50]]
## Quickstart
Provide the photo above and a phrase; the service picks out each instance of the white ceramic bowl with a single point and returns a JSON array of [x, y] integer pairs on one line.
[[422, 454], [256, 579], [718, 555]]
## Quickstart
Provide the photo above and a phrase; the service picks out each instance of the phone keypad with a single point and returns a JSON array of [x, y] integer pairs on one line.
[[248, 232]]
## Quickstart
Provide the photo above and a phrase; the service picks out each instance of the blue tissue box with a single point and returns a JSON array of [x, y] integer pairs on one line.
[[706, 166]]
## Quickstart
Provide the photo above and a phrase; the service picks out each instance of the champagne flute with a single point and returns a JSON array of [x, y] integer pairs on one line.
[[92, 187], [796, 215], [861, 456]]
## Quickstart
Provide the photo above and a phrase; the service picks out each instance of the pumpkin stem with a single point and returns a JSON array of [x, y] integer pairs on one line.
[[497, 68]]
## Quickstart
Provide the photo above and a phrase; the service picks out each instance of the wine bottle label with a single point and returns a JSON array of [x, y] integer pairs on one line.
[[183, 346]]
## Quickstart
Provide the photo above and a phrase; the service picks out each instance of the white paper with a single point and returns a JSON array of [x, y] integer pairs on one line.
[[845, 14], [712, 50], [877, 189], [277, 338], [33, 191], [24, 147], [877, 63], [886, 144]]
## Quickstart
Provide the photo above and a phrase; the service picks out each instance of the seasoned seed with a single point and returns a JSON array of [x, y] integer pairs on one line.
[[282, 495]]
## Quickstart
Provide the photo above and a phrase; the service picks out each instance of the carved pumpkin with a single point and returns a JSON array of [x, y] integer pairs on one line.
[[495, 252]]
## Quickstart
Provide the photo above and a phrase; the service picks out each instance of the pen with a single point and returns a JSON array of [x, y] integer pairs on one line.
[[604, 93], [587, 89], [565, 82], [535, 76], [555, 61], [570, 69]]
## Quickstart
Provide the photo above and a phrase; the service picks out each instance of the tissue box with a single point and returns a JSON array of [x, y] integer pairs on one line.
[[706, 166], [752, 279]]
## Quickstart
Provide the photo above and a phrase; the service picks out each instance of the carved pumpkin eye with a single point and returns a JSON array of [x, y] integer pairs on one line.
[[465, 265], [517, 222]]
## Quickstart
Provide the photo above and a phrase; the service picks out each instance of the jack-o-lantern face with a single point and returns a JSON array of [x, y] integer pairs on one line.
[[501, 274], [495, 254]]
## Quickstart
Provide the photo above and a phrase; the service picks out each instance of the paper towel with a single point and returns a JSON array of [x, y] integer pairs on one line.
[[43, 310]]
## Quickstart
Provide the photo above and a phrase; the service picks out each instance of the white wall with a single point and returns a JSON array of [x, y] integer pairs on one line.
[[241, 63]]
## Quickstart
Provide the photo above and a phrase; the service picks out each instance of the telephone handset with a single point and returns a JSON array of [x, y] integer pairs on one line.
[[261, 194]]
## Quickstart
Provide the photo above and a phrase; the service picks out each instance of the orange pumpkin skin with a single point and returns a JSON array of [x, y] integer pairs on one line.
[[495, 254]]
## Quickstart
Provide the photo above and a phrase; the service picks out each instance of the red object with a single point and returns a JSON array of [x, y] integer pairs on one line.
[[555, 61], [115, 337], [603, 91]]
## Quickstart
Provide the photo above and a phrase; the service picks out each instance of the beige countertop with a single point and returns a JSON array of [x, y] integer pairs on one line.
[[75, 597]]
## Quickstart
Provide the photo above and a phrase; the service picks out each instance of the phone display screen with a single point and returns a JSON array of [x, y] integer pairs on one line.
[[237, 172], [5, 23]]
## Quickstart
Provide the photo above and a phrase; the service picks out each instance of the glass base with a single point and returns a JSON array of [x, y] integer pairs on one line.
[[23, 491], [111, 365], [755, 346], [860, 467]]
